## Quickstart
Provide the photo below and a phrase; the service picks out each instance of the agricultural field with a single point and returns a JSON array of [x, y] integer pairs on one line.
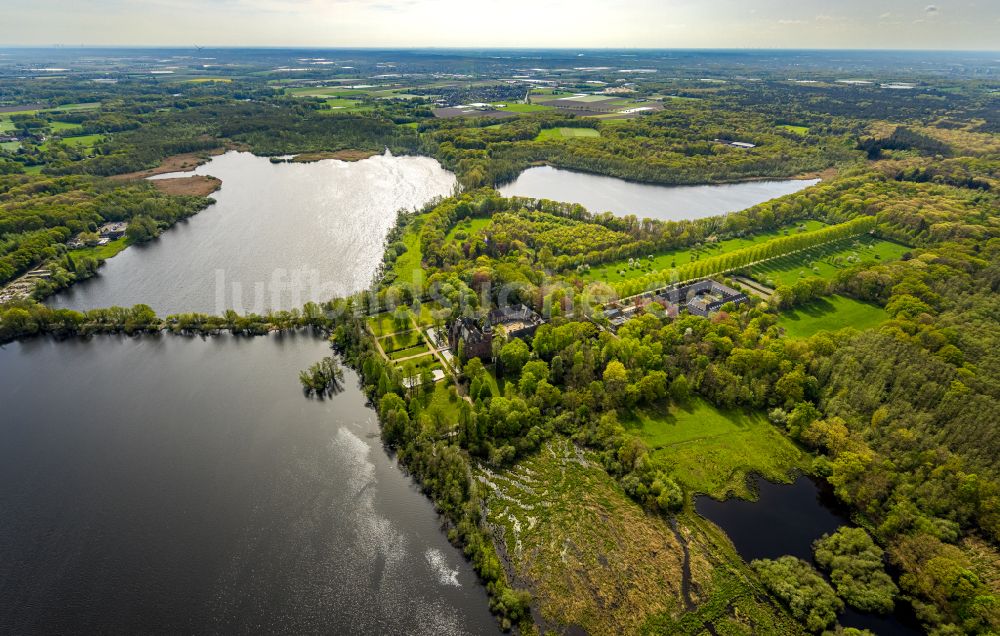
[[618, 271], [826, 260], [830, 314], [526, 108], [739, 443], [566, 133], [586, 98]]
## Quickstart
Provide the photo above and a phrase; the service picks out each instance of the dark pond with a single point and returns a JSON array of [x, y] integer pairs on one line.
[[279, 236], [174, 485], [787, 519], [669, 203]]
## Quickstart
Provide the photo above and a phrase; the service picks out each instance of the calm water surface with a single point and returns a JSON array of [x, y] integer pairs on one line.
[[279, 235], [669, 203], [179, 485], [787, 519]]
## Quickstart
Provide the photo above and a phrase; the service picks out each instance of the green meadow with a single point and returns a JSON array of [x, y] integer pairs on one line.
[[468, 227], [712, 451], [830, 314], [826, 260], [566, 133], [798, 130], [526, 108]]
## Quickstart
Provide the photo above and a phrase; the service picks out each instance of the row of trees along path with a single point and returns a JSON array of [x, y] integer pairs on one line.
[[745, 257]]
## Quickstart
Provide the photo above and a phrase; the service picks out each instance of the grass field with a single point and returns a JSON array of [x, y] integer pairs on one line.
[[84, 142], [428, 312], [830, 314], [798, 130], [469, 226], [826, 260], [526, 108], [105, 251], [64, 128], [428, 361], [408, 352], [711, 451], [442, 409], [593, 558], [408, 267], [611, 272], [384, 324], [401, 340], [566, 133], [343, 104], [10, 146]]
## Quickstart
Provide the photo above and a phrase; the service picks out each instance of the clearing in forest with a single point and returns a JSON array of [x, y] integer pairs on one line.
[[712, 451], [830, 314]]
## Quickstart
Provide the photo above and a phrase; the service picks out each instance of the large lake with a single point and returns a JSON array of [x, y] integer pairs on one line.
[[669, 203], [180, 485], [278, 236]]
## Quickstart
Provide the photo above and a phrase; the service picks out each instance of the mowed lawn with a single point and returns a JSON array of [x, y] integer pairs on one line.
[[617, 271], [826, 260], [566, 133], [711, 451], [830, 314]]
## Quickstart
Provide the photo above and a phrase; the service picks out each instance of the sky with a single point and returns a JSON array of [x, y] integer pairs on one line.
[[866, 24]]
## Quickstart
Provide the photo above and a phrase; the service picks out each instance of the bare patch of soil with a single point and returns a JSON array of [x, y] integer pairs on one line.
[[196, 186], [177, 163]]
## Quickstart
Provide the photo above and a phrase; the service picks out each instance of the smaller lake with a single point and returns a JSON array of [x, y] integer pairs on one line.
[[666, 203], [787, 519]]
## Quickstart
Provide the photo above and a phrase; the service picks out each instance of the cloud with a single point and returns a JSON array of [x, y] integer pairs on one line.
[[791, 22], [931, 9]]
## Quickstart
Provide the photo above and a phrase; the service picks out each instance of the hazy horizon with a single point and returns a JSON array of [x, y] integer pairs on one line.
[[639, 24]]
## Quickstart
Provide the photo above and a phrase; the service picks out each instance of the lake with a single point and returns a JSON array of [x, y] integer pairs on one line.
[[181, 485], [278, 236], [787, 519], [668, 203]]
